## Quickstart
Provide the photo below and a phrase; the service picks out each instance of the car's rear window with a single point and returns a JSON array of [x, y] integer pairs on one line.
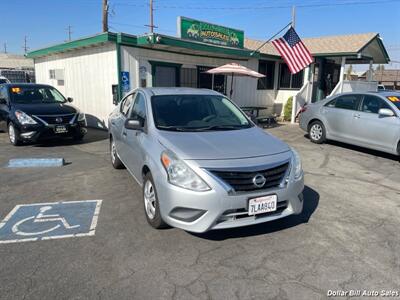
[[395, 99]]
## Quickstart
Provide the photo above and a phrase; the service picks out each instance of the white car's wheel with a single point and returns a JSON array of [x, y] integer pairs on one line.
[[317, 133]]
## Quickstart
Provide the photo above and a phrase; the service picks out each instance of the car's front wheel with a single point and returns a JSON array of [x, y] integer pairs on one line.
[[13, 135], [116, 162], [317, 132], [151, 203]]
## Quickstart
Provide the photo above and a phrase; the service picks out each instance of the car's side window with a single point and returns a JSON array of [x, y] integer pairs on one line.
[[331, 103], [139, 107], [127, 103], [372, 104], [350, 102], [3, 93]]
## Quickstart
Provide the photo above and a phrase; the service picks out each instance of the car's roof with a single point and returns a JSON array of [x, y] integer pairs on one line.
[[25, 85], [158, 91]]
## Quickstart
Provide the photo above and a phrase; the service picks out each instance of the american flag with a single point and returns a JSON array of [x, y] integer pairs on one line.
[[293, 51]]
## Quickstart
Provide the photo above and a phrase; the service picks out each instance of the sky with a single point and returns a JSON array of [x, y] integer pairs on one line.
[[45, 22]]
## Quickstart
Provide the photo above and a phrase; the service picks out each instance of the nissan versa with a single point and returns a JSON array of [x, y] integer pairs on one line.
[[34, 112], [201, 162]]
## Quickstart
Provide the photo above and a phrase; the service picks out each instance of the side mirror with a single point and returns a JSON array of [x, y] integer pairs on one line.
[[3, 101], [134, 124], [69, 99], [386, 112]]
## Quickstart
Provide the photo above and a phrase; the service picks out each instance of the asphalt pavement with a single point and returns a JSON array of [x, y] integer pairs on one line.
[[346, 239]]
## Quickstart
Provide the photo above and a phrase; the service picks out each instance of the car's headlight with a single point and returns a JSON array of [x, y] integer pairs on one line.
[[24, 119], [180, 174], [81, 117], [297, 167]]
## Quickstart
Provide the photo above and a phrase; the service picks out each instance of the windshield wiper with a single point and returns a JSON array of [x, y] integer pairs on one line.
[[174, 128], [222, 127]]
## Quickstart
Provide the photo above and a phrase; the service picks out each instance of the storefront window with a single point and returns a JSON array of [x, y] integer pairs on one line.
[[268, 69], [189, 77], [289, 81], [205, 80]]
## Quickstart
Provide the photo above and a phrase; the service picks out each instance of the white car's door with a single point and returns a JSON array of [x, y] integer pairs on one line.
[[339, 114], [373, 130]]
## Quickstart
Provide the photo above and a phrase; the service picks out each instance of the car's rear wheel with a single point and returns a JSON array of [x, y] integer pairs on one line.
[[13, 135], [116, 162], [151, 203], [317, 132]]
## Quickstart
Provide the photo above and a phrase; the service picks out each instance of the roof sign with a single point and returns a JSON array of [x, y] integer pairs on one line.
[[394, 98], [209, 33]]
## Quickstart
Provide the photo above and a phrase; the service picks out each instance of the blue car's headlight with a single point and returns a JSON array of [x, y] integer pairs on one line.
[[23, 118]]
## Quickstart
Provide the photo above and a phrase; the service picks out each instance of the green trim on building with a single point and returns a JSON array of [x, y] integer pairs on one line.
[[155, 64], [84, 42]]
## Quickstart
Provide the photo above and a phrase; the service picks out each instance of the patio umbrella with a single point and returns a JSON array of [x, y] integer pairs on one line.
[[233, 69]]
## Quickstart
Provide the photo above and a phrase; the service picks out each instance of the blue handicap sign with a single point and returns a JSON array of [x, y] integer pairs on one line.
[[125, 82], [43, 221]]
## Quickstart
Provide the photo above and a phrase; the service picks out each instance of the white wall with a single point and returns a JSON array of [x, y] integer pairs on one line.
[[89, 74], [245, 88]]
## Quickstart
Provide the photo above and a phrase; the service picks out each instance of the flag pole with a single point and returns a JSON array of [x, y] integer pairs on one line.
[[262, 45]]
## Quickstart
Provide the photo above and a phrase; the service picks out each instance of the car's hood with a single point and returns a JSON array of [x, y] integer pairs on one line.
[[46, 108], [233, 144]]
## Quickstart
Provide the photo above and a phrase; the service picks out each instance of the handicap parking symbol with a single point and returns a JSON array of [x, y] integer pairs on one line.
[[44, 221]]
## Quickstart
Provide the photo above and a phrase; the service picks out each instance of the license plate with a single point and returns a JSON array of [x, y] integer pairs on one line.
[[262, 205], [60, 129]]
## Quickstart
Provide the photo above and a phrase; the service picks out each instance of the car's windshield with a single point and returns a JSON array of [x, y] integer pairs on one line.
[[395, 99], [35, 95], [2, 80], [197, 113]]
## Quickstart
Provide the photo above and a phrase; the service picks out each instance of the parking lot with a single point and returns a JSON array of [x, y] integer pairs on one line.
[[346, 239]]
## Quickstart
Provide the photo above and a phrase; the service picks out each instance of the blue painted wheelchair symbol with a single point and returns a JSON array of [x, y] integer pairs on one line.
[[43, 221]]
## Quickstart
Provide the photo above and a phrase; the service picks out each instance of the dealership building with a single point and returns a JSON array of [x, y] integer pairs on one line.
[[97, 69]]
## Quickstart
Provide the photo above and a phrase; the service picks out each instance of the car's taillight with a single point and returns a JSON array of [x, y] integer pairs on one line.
[[303, 109]]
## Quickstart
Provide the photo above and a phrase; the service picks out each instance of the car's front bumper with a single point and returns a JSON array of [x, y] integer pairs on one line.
[[218, 208], [39, 132]]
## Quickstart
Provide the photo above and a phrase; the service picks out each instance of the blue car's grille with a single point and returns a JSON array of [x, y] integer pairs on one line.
[[243, 181], [56, 119]]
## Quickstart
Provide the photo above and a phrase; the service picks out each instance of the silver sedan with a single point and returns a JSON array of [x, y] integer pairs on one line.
[[370, 120], [201, 162]]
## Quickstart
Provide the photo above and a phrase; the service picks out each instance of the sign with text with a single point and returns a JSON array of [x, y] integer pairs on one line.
[[209, 33]]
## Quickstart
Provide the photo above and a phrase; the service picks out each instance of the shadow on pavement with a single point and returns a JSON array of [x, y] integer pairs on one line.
[[93, 135], [361, 149], [311, 200]]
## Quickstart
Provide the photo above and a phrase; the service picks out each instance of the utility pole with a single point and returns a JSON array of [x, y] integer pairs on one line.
[[293, 16], [151, 17], [105, 15], [5, 47], [69, 33], [152, 26], [25, 47]]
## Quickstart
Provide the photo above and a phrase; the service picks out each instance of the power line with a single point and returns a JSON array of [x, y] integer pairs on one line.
[[258, 7]]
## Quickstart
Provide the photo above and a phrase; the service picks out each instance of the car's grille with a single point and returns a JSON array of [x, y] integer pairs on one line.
[[243, 180], [56, 119]]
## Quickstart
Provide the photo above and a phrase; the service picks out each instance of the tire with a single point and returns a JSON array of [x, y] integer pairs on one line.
[[13, 135], [151, 204], [115, 161], [317, 133]]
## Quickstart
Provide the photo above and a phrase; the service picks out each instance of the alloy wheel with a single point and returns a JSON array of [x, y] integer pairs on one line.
[[11, 133], [316, 132], [149, 200], [113, 152]]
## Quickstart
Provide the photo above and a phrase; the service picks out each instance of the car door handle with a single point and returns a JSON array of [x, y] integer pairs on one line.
[[124, 133], [356, 116], [112, 123]]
